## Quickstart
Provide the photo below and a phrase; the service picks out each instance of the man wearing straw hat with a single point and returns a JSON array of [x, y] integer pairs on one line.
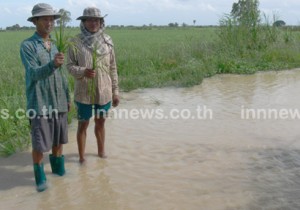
[[47, 94], [92, 63]]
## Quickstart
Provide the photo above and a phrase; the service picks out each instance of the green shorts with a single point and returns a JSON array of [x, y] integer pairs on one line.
[[85, 111]]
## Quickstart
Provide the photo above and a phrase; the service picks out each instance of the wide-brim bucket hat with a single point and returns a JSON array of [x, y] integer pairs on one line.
[[43, 9], [91, 12]]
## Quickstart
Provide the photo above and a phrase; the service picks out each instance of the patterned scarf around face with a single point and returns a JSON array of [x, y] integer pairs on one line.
[[93, 40]]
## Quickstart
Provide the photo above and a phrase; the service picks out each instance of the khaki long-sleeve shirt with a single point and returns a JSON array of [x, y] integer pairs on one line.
[[106, 81]]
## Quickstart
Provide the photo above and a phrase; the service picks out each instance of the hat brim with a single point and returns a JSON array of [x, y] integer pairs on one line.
[[86, 17], [56, 16]]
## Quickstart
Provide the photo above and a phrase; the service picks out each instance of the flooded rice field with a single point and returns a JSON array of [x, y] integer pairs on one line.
[[230, 143]]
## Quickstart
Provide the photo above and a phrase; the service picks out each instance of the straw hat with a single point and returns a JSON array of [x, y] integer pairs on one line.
[[43, 9], [91, 12]]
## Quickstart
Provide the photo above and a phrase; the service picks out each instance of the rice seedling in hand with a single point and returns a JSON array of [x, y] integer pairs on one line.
[[63, 40], [92, 85]]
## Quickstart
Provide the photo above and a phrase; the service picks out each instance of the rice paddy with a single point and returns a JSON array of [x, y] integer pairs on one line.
[[146, 58]]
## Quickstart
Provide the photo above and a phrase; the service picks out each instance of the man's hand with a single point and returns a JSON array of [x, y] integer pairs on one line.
[[90, 73], [115, 101], [59, 59]]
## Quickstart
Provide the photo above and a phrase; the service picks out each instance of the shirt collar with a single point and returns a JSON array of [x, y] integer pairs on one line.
[[39, 38]]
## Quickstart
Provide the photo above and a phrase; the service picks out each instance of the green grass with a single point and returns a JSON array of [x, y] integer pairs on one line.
[[146, 58], [14, 133], [161, 57]]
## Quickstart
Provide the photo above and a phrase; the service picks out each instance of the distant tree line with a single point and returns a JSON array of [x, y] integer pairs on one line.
[[145, 27], [17, 27], [238, 12]]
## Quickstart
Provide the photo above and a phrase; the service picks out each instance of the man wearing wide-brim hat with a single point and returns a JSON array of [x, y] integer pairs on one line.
[[43, 9], [47, 94], [93, 65]]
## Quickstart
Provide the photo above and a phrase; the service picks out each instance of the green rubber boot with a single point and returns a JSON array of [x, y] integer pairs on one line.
[[53, 163], [40, 177], [57, 165]]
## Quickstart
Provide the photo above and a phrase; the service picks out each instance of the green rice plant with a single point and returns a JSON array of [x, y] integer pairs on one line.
[[287, 36], [6, 149], [10, 147], [92, 85], [63, 43], [62, 40], [94, 57], [14, 127]]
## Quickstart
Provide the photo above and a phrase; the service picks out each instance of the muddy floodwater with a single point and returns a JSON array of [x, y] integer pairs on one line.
[[232, 142]]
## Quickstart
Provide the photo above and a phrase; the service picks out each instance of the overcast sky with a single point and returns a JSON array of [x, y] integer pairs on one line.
[[156, 12]]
